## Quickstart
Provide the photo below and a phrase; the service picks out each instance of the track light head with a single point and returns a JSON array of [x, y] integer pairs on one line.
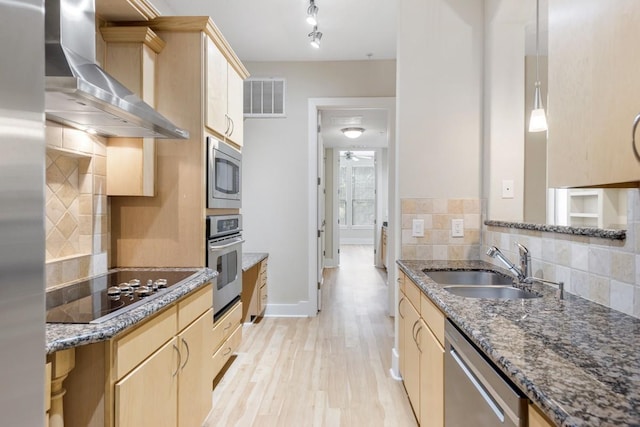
[[315, 36], [312, 14]]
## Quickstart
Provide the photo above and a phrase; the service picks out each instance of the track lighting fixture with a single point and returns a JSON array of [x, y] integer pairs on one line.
[[315, 36], [312, 14]]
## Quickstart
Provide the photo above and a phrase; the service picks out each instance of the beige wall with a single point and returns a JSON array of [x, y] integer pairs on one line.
[[439, 134], [439, 85], [76, 212], [275, 167]]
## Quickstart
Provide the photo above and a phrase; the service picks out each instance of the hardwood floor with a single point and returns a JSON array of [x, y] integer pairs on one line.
[[331, 370]]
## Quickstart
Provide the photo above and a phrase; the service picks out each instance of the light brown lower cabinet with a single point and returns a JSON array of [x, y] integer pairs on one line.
[[148, 395], [422, 353], [227, 334], [537, 418], [254, 291], [157, 374]]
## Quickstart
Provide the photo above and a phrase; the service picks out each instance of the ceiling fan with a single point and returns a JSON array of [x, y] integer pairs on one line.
[[350, 155]]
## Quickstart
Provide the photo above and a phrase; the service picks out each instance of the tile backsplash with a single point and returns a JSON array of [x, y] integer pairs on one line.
[[601, 270], [76, 212], [437, 242]]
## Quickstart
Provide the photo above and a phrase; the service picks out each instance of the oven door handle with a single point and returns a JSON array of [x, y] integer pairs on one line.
[[217, 248]]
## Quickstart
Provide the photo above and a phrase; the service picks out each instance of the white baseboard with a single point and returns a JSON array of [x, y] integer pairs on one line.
[[300, 309], [395, 365], [330, 263]]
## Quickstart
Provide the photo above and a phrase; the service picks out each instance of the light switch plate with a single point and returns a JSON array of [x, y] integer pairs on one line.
[[417, 228], [507, 189], [457, 228]]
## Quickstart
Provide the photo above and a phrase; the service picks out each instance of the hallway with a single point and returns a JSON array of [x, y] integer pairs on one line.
[[331, 370]]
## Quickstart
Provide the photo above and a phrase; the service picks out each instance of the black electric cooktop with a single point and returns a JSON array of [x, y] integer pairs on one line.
[[103, 297]]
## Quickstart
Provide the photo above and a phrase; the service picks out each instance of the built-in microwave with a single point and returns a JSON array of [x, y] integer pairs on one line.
[[224, 175]]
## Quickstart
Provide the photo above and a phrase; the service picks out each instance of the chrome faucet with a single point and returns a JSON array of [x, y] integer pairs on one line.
[[523, 273], [525, 262]]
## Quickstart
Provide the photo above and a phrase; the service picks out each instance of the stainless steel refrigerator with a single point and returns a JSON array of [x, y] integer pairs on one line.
[[22, 247]]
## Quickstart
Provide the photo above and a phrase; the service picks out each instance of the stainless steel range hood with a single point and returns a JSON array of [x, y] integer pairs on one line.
[[81, 94]]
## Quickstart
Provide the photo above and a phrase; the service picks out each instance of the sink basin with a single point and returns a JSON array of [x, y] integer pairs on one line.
[[473, 278], [492, 292]]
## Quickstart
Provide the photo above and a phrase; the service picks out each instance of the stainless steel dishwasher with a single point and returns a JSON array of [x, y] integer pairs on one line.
[[474, 393]]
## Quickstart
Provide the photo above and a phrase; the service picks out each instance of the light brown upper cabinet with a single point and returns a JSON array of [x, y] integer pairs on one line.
[[594, 92], [130, 56], [224, 96]]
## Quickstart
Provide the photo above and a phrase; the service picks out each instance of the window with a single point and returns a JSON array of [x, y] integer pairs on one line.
[[356, 189]]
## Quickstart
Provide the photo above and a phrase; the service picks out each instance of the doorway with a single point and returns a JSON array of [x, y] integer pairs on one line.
[[327, 119]]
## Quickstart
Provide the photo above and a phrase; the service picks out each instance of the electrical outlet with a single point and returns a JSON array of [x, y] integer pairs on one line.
[[417, 228], [457, 228], [507, 189]]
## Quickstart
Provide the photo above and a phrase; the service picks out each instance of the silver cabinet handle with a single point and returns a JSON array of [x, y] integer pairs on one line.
[[188, 354], [417, 340], [233, 126], [227, 351], [633, 137], [400, 305], [413, 331], [227, 119], [175, 347]]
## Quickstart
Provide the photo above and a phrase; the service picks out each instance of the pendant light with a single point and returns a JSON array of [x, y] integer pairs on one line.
[[538, 120]]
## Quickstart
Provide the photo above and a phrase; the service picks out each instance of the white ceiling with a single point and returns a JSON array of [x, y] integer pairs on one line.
[[276, 30], [373, 120]]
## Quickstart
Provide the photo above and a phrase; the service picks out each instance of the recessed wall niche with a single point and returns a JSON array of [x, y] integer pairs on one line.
[[69, 206]]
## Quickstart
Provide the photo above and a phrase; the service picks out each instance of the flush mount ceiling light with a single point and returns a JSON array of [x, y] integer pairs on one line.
[[352, 132], [538, 120], [312, 14], [315, 36]]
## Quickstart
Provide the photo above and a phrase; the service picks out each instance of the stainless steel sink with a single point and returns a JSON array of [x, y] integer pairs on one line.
[[491, 292], [469, 277]]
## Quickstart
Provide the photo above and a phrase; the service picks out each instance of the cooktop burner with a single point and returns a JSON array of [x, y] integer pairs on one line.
[[103, 297]]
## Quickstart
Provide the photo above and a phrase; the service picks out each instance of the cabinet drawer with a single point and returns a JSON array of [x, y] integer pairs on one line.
[[263, 266], [194, 305], [413, 293], [223, 328], [223, 354], [433, 317], [134, 347]]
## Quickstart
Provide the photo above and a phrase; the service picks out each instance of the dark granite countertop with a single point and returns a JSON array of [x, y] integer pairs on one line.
[[249, 259], [578, 361], [60, 336], [576, 231]]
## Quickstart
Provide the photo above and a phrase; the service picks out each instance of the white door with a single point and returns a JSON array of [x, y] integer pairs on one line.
[[320, 215]]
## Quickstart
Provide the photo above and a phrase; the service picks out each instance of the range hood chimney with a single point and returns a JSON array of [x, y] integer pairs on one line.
[[81, 94]]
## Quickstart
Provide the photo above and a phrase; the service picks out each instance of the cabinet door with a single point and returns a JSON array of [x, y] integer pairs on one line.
[[235, 99], [196, 375], [216, 98], [147, 396], [411, 375], [431, 378], [593, 92]]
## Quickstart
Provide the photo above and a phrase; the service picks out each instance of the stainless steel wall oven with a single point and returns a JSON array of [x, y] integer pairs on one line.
[[224, 254], [224, 175]]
